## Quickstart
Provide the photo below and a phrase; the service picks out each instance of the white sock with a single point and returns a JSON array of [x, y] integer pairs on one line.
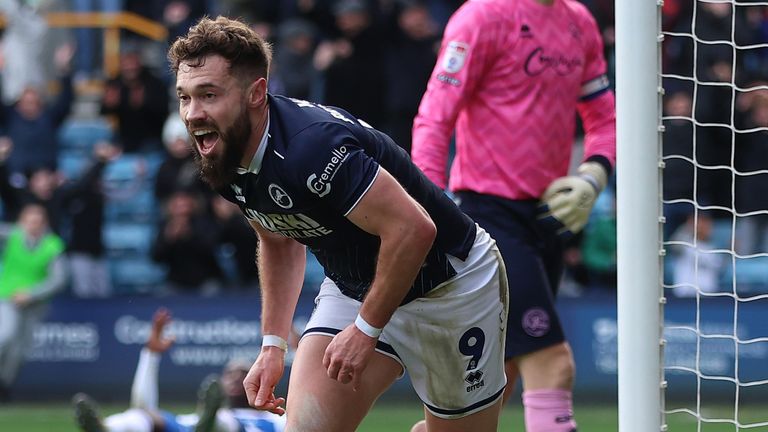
[[133, 420]]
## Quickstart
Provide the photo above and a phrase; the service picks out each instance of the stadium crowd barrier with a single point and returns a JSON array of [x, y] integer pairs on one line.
[[93, 345]]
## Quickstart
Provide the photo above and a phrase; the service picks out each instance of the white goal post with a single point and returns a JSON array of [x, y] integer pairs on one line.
[[698, 359], [640, 292]]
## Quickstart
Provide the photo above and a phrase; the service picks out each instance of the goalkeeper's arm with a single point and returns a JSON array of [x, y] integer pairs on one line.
[[568, 201]]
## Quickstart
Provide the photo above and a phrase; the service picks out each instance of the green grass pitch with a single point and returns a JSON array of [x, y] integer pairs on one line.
[[386, 417]]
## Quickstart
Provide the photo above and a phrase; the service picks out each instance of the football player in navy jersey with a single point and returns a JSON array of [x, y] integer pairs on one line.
[[411, 282]]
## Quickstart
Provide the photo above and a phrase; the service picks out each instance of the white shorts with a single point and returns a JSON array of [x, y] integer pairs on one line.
[[451, 342]]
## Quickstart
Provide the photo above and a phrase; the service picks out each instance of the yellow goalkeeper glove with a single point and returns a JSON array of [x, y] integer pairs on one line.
[[569, 200]]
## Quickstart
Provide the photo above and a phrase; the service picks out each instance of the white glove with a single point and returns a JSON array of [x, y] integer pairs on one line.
[[569, 200]]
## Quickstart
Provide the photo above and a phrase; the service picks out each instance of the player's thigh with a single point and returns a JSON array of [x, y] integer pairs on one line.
[[318, 403], [451, 340], [483, 421]]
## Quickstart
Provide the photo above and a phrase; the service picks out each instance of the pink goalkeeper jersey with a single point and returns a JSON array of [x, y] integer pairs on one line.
[[510, 77]]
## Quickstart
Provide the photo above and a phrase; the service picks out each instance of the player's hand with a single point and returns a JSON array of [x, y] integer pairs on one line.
[[157, 342], [347, 355], [263, 377], [567, 202], [22, 299], [6, 146]]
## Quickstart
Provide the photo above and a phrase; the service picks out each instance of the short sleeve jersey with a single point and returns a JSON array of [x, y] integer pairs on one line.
[[316, 165]]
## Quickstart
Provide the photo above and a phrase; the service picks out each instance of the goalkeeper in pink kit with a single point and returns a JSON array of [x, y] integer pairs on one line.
[[509, 80]]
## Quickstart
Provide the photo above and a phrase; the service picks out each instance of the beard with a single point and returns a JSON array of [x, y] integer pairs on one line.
[[219, 169]]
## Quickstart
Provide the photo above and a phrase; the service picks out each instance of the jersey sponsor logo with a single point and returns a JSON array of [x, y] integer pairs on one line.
[[279, 196], [538, 61], [289, 225], [455, 56], [536, 322], [321, 183]]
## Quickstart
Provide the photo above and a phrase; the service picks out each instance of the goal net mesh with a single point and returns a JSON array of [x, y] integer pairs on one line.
[[715, 205]]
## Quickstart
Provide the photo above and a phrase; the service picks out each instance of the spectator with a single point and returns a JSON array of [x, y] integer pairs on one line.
[[352, 64], [293, 59], [262, 15], [179, 15], [23, 45], [598, 246], [40, 187], [31, 125], [33, 269], [696, 268], [414, 43], [678, 182], [145, 414], [178, 170], [82, 202], [236, 244], [604, 13], [139, 101], [88, 40], [751, 163], [185, 243]]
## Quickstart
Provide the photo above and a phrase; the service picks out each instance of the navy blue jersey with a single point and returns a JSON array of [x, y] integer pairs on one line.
[[314, 167]]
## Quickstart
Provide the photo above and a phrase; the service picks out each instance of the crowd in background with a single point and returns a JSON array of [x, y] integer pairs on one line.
[[372, 58]]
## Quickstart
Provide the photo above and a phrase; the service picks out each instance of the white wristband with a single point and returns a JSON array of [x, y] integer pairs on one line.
[[366, 328], [275, 341]]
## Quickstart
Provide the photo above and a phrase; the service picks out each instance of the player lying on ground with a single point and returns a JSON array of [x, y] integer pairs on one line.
[[145, 416]]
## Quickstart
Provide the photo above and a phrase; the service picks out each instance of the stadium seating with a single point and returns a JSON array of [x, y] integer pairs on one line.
[[81, 135]]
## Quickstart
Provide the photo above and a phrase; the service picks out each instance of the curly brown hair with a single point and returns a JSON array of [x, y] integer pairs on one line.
[[248, 54]]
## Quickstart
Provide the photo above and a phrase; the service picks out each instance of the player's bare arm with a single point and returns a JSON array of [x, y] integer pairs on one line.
[[158, 342], [281, 268], [407, 234]]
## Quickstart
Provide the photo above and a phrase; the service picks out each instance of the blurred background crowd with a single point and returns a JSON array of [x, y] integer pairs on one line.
[[89, 130]]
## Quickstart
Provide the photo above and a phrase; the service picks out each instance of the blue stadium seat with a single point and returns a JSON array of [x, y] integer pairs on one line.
[[126, 168], [314, 274], [128, 239], [84, 134], [751, 275], [137, 207], [721, 233], [136, 276], [130, 190], [72, 163]]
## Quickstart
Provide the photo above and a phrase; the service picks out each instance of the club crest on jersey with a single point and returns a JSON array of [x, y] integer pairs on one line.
[[321, 183], [279, 196], [455, 55]]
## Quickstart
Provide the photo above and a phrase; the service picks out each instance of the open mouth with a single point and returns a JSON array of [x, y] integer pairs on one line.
[[206, 140]]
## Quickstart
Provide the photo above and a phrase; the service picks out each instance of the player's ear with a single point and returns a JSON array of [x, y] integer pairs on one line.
[[257, 92]]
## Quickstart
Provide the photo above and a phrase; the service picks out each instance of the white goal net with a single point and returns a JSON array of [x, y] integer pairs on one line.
[[715, 207], [693, 259]]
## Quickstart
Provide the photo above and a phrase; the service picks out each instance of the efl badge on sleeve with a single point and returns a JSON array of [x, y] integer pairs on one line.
[[455, 54]]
